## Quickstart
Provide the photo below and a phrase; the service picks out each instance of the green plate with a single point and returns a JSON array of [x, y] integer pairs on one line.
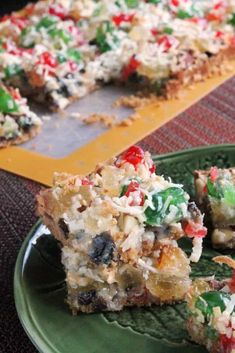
[[40, 289]]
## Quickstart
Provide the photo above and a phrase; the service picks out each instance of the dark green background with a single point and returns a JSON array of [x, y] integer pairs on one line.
[[12, 5]]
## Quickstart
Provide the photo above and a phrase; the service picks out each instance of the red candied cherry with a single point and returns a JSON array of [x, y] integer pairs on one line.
[[119, 19], [219, 34], [130, 68], [175, 3], [214, 173], [15, 93], [154, 32], [166, 41], [134, 155], [227, 343], [152, 169], [193, 229], [232, 283], [5, 18], [198, 20], [19, 22], [218, 6], [29, 9], [135, 187], [11, 49], [86, 181], [22, 51], [58, 11], [74, 30], [27, 50], [48, 59], [214, 16]]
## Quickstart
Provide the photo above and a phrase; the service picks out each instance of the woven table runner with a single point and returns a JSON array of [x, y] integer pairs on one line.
[[210, 121]]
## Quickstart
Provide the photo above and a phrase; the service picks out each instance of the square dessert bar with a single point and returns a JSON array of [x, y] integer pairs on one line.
[[215, 190], [211, 305], [119, 229]]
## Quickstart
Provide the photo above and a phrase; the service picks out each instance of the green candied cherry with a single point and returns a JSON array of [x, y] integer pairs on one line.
[[162, 201], [232, 20], [61, 34], [220, 188], [183, 14], [1, 46], [154, 1], [168, 30], [209, 300], [74, 54], [7, 103], [101, 36], [213, 186], [229, 195], [132, 3], [12, 70], [46, 22], [214, 189]]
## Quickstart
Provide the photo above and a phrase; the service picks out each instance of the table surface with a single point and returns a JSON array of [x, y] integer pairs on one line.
[[210, 121]]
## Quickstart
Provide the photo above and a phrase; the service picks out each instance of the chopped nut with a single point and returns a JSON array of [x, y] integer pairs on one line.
[[105, 119]]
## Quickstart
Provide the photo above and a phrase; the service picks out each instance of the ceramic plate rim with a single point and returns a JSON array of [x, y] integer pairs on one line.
[[20, 302]]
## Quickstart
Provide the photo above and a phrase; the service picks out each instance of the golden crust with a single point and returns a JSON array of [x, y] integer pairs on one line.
[[21, 139], [105, 119], [217, 64], [214, 65], [46, 208], [225, 260]]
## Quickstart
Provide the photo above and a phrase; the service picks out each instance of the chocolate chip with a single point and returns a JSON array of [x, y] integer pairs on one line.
[[69, 76], [92, 42], [26, 123], [64, 227], [209, 54], [193, 210], [102, 250], [64, 90], [99, 304], [86, 298], [82, 209]]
